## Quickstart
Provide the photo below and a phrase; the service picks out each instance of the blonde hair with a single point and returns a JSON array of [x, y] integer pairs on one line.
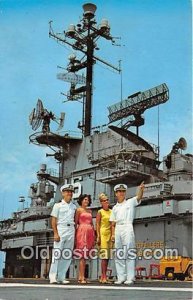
[[102, 196]]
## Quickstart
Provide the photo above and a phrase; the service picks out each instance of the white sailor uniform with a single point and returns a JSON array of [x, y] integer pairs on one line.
[[123, 214], [64, 212]]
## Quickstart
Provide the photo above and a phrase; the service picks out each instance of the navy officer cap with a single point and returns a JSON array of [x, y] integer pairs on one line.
[[120, 187], [67, 187]]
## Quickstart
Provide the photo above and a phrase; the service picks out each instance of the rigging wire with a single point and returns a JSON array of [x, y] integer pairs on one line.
[[158, 130], [121, 87], [106, 68]]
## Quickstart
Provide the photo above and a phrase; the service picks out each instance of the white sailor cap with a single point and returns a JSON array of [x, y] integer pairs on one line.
[[67, 187], [120, 187]]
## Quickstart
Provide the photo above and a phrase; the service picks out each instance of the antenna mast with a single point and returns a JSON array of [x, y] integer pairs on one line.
[[84, 36]]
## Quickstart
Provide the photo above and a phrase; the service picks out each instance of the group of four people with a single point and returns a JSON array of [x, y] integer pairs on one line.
[[74, 230]]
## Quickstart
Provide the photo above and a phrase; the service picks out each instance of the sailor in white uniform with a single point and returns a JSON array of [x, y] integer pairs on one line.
[[122, 231], [62, 222]]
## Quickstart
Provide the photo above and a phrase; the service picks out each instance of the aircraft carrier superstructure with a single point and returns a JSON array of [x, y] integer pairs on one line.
[[96, 159]]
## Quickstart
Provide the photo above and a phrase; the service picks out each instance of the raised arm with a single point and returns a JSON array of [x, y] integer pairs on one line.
[[140, 191]]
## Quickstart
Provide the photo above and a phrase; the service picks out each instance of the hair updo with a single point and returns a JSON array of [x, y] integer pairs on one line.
[[82, 197], [103, 196]]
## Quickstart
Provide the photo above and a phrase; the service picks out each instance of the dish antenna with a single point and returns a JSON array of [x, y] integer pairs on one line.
[[181, 144], [40, 115], [35, 118]]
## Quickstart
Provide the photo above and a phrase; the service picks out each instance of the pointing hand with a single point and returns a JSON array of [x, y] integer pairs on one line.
[[142, 186]]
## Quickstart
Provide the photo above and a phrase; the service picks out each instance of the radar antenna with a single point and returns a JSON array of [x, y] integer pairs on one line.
[[61, 121], [35, 118], [135, 105], [181, 144], [41, 116]]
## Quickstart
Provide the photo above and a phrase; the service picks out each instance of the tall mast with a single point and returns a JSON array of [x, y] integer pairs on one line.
[[82, 37]]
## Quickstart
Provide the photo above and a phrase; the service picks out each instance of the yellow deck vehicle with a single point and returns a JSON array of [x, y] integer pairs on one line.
[[176, 267]]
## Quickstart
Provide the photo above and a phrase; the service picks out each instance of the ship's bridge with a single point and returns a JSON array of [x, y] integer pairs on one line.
[[122, 156]]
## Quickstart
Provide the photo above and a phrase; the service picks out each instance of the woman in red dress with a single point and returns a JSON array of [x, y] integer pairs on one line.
[[85, 235]]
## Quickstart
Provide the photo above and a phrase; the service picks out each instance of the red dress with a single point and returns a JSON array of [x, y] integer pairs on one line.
[[85, 234]]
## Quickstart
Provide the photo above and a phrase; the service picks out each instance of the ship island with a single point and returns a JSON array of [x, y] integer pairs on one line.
[[94, 160]]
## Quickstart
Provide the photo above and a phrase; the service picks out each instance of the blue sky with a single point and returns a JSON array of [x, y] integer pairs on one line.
[[157, 48]]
